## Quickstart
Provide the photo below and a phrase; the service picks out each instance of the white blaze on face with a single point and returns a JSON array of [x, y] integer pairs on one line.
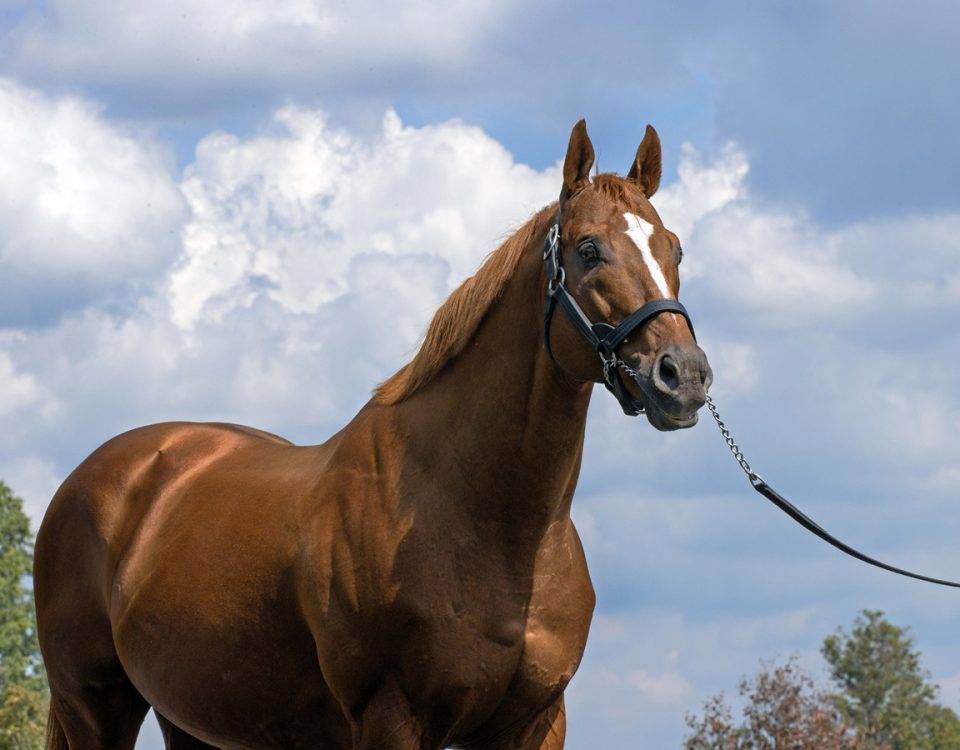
[[640, 231]]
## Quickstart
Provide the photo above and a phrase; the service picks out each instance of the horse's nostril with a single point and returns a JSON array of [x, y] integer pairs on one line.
[[668, 374]]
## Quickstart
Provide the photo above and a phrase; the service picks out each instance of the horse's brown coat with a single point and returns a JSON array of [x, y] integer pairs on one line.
[[414, 582]]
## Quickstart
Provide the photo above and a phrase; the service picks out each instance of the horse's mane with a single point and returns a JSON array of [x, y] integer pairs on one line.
[[458, 318]]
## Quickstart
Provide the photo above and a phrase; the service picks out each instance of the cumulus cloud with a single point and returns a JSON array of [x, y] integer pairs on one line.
[[33, 479], [665, 686], [702, 188], [294, 267], [203, 46], [278, 242], [913, 258], [285, 213], [88, 210], [306, 268], [763, 260], [776, 264], [20, 390], [660, 687], [737, 364]]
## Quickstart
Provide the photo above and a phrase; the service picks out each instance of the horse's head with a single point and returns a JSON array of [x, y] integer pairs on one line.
[[612, 260]]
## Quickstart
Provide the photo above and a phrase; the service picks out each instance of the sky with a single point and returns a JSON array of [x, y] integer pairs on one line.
[[197, 199]]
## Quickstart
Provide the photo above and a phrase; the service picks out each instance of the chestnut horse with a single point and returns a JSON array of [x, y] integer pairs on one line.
[[416, 580]]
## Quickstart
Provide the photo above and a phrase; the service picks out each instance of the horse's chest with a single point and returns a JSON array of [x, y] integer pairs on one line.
[[483, 670], [503, 646]]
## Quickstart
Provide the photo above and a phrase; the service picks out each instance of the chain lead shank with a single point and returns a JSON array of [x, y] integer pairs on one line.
[[754, 478]]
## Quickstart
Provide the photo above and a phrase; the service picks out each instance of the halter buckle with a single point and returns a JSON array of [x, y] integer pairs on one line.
[[557, 281]]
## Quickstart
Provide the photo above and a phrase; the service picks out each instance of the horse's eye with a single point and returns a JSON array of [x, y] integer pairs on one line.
[[589, 254], [679, 254]]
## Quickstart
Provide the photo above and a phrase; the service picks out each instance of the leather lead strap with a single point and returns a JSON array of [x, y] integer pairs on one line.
[[813, 527], [760, 485]]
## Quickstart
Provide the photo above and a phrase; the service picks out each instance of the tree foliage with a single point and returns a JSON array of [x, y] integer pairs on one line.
[[23, 695], [883, 700], [783, 709], [884, 691]]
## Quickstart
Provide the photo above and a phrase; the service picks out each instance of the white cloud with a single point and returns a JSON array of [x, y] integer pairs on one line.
[[702, 187], [915, 260], [86, 208], [308, 267], [916, 426], [35, 480], [284, 213], [207, 44], [776, 264], [665, 686], [311, 259], [737, 365], [922, 424], [17, 390], [617, 693], [759, 259]]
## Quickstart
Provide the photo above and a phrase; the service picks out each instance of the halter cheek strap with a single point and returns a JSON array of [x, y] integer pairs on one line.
[[604, 338]]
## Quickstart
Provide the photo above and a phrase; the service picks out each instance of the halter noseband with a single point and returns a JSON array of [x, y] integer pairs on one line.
[[603, 337]]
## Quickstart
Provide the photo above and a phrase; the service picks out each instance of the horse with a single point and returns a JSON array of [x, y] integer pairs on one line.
[[415, 581]]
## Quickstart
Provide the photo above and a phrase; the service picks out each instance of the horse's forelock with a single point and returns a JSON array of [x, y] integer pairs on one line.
[[617, 189]]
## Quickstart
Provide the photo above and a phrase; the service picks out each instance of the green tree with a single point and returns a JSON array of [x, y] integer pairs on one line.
[[784, 710], [883, 689], [23, 694]]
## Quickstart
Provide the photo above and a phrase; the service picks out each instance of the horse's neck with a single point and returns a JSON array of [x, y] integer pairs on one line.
[[503, 419]]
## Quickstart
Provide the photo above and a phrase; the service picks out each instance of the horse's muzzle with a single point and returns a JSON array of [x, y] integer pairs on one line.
[[675, 386]]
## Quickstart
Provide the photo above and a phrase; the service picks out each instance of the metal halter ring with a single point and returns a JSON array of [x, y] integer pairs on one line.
[[553, 239], [609, 367]]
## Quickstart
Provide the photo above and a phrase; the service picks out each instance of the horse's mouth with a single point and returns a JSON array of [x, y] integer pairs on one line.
[[672, 385], [666, 422], [645, 395]]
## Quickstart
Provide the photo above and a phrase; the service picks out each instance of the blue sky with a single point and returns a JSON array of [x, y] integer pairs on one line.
[[193, 196]]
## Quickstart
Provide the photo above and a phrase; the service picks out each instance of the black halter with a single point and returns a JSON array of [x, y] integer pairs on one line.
[[603, 337]]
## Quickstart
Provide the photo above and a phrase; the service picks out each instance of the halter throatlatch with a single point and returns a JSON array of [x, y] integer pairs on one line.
[[604, 338]]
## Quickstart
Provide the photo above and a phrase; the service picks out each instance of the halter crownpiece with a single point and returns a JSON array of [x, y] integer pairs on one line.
[[604, 338]]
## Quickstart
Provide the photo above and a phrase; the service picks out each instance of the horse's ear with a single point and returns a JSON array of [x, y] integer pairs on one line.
[[579, 159], [647, 166]]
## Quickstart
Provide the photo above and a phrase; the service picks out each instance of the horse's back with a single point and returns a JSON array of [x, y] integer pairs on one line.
[[102, 506], [111, 491]]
